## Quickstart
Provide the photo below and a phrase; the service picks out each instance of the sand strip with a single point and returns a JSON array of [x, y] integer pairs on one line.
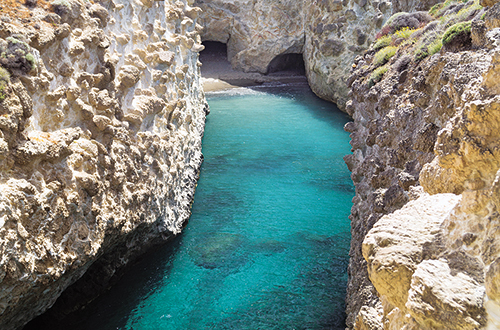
[[217, 74]]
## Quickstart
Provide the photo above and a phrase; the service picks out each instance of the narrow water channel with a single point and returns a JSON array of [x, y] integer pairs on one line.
[[267, 244]]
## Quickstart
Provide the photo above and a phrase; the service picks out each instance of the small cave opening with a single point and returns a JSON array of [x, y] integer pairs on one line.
[[291, 63], [214, 59], [214, 51]]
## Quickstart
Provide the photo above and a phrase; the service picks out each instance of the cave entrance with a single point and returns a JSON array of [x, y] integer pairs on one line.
[[217, 66], [214, 58], [214, 49], [289, 63], [218, 73]]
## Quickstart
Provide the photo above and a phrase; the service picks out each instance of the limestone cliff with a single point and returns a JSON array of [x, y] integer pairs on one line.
[[425, 248], [329, 34], [101, 120]]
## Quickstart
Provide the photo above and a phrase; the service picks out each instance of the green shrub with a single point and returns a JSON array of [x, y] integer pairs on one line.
[[393, 17], [14, 40], [446, 5], [429, 44], [424, 50], [382, 42], [435, 9], [31, 59], [455, 30], [377, 75], [388, 27], [435, 47], [404, 33], [4, 81], [384, 55], [466, 13], [439, 9], [421, 53]]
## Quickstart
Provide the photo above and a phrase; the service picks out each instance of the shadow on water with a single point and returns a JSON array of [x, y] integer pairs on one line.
[[301, 93], [147, 276], [337, 184]]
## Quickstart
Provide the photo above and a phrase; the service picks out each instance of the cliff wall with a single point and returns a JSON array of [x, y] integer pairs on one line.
[[425, 250], [329, 34], [101, 120]]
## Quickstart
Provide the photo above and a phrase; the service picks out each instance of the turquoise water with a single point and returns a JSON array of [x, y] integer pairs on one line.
[[267, 244]]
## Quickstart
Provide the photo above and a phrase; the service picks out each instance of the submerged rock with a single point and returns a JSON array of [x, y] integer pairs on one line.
[[218, 251]]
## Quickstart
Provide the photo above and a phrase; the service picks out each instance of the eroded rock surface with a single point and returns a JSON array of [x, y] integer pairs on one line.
[[329, 34], [100, 141], [426, 166]]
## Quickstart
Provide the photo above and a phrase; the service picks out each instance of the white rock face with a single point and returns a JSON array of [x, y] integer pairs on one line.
[[401, 240], [100, 145], [329, 34], [408, 266]]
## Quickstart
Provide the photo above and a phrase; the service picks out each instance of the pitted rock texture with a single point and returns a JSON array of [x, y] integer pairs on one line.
[[329, 34], [425, 243], [100, 141]]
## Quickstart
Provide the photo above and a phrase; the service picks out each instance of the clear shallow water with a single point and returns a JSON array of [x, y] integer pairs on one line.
[[267, 244]]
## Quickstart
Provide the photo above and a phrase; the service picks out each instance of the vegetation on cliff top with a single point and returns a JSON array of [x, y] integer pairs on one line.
[[416, 36]]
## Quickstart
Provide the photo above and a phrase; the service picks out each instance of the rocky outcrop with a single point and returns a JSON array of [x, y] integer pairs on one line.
[[101, 119], [329, 34], [425, 244]]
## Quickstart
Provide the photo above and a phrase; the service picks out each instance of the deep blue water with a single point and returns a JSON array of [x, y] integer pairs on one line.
[[267, 243]]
